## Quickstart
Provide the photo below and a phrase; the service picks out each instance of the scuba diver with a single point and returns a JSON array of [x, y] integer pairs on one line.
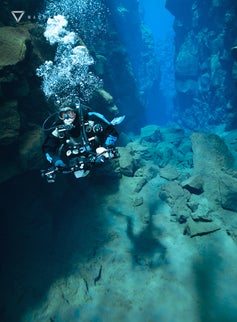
[[77, 140]]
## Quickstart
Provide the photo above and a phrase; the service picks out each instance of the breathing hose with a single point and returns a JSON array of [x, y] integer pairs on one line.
[[52, 126]]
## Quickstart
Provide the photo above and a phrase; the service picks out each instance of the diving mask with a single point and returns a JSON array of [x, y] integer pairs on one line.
[[66, 114]]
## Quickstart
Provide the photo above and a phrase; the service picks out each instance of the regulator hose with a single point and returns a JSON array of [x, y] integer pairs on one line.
[[52, 125]]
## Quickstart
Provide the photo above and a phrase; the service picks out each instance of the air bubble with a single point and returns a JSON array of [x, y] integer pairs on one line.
[[69, 73]]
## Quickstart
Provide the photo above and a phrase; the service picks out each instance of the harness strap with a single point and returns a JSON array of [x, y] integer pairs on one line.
[[84, 135]]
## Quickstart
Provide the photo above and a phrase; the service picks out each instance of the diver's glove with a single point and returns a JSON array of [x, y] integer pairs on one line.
[[110, 141], [60, 163], [55, 160]]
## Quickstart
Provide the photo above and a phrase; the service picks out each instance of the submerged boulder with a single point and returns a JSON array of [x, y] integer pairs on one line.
[[172, 192], [195, 229], [200, 208], [194, 184], [228, 192], [150, 133], [169, 172], [214, 166], [211, 154], [172, 135], [126, 162]]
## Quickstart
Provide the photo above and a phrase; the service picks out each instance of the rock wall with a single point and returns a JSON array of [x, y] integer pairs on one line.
[[22, 103], [206, 30]]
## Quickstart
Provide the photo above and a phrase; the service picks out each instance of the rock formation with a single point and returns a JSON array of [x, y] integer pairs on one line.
[[205, 32], [22, 102], [198, 174]]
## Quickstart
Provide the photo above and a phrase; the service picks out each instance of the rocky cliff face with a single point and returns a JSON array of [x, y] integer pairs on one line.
[[22, 102], [205, 33]]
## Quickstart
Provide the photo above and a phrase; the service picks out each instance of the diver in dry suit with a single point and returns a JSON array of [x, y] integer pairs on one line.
[[79, 139]]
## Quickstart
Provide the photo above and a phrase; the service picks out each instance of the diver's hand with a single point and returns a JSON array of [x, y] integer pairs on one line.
[[60, 163], [110, 140]]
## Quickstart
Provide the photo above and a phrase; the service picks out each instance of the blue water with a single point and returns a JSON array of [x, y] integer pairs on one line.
[[159, 106], [158, 18]]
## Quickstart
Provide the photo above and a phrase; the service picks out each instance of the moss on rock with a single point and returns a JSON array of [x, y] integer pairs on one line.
[[13, 45]]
